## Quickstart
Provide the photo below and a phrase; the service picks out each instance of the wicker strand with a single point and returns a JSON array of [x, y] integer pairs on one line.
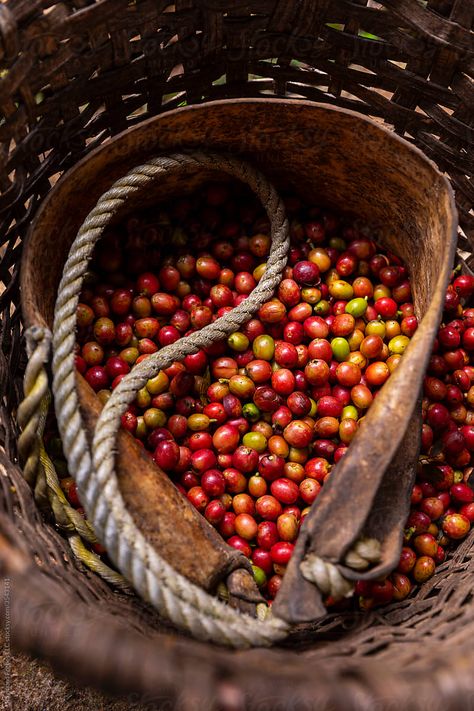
[[39, 470], [174, 596]]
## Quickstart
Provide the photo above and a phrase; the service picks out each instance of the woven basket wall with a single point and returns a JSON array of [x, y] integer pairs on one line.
[[76, 73]]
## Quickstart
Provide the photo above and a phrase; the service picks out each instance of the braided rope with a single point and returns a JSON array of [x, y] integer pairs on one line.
[[177, 599], [30, 411], [39, 470], [185, 604], [327, 576]]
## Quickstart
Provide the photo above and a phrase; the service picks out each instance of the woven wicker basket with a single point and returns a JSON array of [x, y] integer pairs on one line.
[[77, 74]]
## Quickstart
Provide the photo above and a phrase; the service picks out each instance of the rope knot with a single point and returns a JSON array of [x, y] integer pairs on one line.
[[365, 552], [326, 576]]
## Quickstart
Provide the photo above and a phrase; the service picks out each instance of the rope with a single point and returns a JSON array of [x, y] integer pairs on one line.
[[365, 552], [30, 411], [39, 470], [185, 604], [175, 597], [327, 576]]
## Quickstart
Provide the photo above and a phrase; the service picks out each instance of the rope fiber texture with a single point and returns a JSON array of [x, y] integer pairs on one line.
[[39, 470], [176, 598], [185, 604]]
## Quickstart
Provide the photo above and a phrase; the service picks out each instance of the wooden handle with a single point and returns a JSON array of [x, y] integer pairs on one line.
[[375, 508]]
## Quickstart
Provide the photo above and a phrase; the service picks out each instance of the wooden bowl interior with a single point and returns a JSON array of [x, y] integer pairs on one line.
[[327, 156]]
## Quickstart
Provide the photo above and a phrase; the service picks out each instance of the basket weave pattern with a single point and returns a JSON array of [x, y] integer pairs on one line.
[[76, 73]]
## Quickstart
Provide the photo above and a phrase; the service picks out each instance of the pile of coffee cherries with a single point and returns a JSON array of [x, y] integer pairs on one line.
[[442, 501], [250, 428]]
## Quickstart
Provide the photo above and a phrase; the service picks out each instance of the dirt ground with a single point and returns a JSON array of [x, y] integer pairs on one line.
[[32, 686]]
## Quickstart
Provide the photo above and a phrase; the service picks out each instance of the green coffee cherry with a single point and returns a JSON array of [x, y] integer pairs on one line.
[[340, 348], [322, 308], [349, 412], [356, 307], [398, 344], [259, 576], [255, 440], [263, 347], [238, 342], [251, 412], [375, 328]]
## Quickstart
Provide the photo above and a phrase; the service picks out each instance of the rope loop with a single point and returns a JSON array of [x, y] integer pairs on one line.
[[176, 598]]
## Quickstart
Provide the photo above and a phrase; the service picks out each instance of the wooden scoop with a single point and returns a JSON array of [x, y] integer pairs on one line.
[[328, 156]]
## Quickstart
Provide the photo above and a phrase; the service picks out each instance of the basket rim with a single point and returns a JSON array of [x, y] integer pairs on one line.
[[295, 103], [174, 647]]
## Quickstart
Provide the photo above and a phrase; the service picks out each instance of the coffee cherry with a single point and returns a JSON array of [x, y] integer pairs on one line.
[[281, 552], [309, 490], [456, 525], [283, 381], [263, 560], [407, 560], [316, 372], [166, 455], [268, 507], [425, 544], [382, 592], [245, 459], [284, 490], [97, 377], [462, 493], [116, 366], [147, 284], [306, 273], [246, 526], [298, 434], [266, 399], [424, 569], [84, 315], [464, 285], [438, 416], [267, 534], [240, 544], [263, 347], [272, 312], [386, 307], [401, 586], [287, 526], [340, 348], [273, 586], [249, 427], [214, 512]]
